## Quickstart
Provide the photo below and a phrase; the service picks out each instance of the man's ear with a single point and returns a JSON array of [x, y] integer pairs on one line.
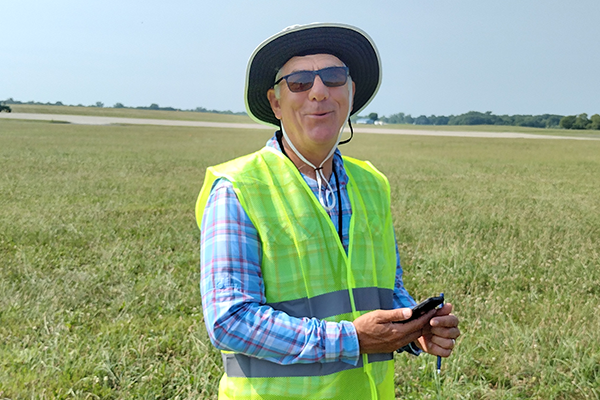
[[274, 101]]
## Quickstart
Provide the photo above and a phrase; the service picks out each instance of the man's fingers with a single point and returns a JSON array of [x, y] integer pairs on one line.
[[438, 346], [446, 309], [439, 351], [448, 333], [444, 321], [444, 343], [440, 334], [377, 334]]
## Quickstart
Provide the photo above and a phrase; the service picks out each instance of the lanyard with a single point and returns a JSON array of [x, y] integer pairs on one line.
[[279, 137]]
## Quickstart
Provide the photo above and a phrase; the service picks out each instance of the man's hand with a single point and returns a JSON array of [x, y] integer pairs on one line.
[[378, 334], [440, 334]]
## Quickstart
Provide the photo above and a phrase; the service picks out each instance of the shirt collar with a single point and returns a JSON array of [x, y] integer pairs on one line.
[[338, 162]]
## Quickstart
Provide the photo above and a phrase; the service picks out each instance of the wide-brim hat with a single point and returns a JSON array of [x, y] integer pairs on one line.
[[350, 44]]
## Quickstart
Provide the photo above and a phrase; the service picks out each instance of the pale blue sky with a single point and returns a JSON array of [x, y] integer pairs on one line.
[[439, 57]]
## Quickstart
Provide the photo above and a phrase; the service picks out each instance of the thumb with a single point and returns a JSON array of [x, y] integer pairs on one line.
[[402, 314]]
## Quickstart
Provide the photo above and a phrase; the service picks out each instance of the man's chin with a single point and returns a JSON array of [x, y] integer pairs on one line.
[[324, 137]]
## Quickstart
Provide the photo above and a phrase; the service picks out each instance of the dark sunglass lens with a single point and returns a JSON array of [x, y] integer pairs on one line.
[[333, 77], [300, 81]]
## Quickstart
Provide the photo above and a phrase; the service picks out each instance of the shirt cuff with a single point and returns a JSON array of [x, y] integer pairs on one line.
[[341, 343], [410, 348]]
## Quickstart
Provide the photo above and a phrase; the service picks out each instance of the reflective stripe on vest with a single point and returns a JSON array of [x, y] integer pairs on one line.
[[337, 303], [241, 366]]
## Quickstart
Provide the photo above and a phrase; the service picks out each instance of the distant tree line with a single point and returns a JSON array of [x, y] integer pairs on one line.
[[580, 121], [152, 106], [478, 118]]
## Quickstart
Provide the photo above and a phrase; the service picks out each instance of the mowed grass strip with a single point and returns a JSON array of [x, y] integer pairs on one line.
[[99, 259]]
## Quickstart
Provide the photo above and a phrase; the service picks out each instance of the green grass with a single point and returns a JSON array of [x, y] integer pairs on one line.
[[99, 260]]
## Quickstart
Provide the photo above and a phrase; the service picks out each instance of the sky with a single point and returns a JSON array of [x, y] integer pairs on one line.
[[439, 57]]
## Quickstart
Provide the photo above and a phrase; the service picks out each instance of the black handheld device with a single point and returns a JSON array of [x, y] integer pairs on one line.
[[423, 308]]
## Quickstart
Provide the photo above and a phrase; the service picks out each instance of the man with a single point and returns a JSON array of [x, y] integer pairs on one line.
[[301, 280]]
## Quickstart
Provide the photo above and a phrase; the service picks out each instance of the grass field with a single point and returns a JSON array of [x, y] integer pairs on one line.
[[99, 293]]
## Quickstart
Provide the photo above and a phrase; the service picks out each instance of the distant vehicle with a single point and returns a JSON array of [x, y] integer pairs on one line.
[[5, 108], [365, 121]]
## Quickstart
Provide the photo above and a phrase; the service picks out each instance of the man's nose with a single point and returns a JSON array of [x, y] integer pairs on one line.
[[319, 91]]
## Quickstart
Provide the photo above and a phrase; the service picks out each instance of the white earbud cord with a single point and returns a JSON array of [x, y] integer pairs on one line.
[[328, 202]]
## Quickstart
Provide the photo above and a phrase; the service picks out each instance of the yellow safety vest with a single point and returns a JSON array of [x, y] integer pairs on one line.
[[307, 273]]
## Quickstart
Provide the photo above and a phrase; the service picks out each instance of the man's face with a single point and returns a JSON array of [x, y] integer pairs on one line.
[[313, 118]]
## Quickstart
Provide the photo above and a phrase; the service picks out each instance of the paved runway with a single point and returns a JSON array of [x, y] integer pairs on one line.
[[91, 120]]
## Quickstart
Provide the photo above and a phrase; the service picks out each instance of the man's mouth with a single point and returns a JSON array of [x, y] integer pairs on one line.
[[320, 114]]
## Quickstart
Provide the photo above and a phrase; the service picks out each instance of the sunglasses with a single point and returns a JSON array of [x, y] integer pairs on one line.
[[301, 81]]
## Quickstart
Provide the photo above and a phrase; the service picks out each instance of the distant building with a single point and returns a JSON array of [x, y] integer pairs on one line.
[[365, 121]]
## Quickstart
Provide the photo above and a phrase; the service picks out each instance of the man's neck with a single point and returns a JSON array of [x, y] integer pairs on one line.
[[304, 167]]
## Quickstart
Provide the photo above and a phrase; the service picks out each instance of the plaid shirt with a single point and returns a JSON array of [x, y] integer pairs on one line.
[[233, 292]]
